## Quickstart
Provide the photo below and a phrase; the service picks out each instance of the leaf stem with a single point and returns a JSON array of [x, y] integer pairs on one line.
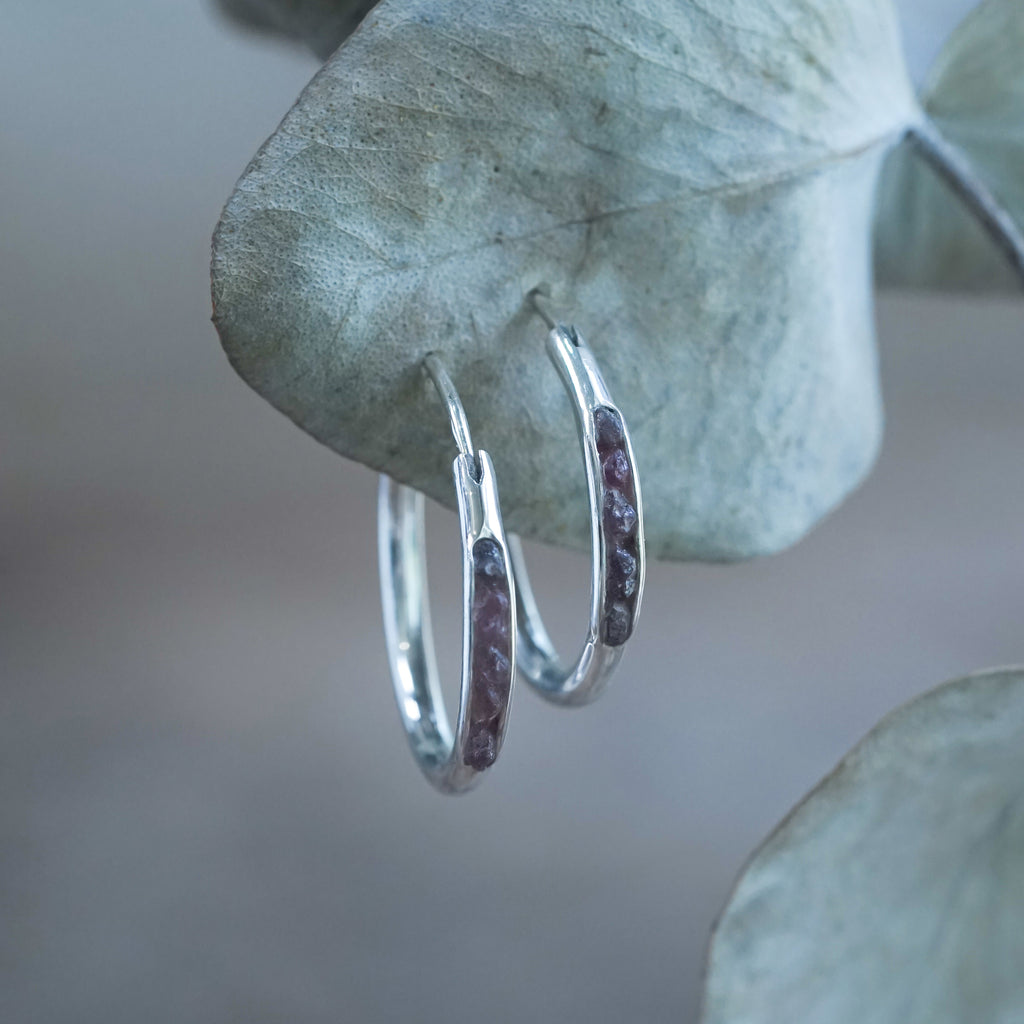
[[950, 163]]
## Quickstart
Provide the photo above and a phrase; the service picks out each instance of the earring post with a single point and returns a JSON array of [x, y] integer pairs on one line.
[[450, 397], [535, 296]]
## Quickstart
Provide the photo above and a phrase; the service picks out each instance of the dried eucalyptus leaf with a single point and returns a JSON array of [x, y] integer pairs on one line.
[[321, 25], [693, 183], [894, 894], [926, 237]]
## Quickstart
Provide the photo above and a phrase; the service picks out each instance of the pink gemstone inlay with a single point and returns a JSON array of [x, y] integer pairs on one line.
[[618, 522], [490, 654]]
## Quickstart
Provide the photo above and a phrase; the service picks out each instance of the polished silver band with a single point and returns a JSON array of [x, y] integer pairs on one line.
[[617, 539], [452, 763]]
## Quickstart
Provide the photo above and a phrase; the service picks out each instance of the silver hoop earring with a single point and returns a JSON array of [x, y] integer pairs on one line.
[[617, 537], [452, 763]]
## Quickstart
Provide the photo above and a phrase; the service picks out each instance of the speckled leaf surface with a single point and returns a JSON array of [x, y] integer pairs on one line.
[[693, 183], [975, 96], [894, 894]]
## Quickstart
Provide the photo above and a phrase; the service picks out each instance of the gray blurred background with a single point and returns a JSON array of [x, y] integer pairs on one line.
[[208, 811]]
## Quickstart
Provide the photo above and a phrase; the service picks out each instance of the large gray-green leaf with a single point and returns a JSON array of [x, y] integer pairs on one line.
[[693, 182], [894, 894], [975, 96]]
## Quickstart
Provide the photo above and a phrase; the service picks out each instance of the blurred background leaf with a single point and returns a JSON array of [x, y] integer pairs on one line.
[[974, 95], [894, 892], [321, 25]]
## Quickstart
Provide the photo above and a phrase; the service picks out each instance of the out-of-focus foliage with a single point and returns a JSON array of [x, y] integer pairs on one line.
[[974, 95], [894, 893], [321, 25]]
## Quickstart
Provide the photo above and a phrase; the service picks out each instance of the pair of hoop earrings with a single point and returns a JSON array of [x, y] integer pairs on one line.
[[502, 629]]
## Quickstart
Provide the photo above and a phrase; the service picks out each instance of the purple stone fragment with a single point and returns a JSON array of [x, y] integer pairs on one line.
[[619, 516], [622, 573], [481, 749], [490, 654], [490, 611], [608, 427], [615, 469], [488, 560], [619, 521], [490, 663], [618, 623], [489, 699]]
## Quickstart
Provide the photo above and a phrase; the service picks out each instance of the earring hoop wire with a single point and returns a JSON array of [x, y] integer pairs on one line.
[[617, 537], [451, 761]]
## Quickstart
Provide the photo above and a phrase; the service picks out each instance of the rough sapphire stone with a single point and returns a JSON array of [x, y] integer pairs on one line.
[[608, 428], [619, 522], [490, 654], [489, 699], [490, 662], [615, 468], [487, 559], [619, 516], [490, 611], [622, 573], [618, 623], [481, 749]]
